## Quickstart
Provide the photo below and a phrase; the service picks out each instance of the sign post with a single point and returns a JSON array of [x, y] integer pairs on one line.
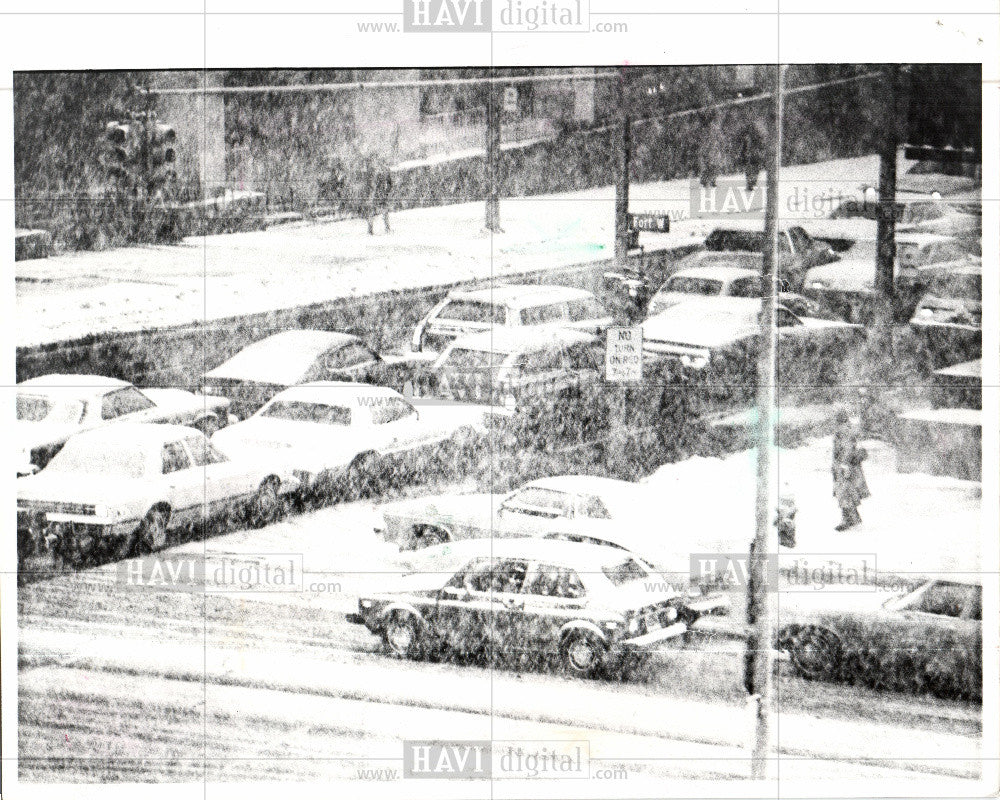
[[622, 366]]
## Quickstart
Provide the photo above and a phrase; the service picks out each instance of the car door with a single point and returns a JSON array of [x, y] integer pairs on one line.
[[183, 483], [534, 510], [226, 482], [479, 606], [553, 596]]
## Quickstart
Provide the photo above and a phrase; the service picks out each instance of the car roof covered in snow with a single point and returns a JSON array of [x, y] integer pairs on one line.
[[594, 484], [521, 295], [718, 272], [505, 340], [96, 383], [558, 552], [281, 359], [333, 391]]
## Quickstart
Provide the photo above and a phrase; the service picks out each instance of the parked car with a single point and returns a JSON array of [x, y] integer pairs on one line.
[[715, 341], [508, 367], [51, 408], [946, 216], [958, 386], [595, 610], [121, 489], [949, 318], [334, 434], [564, 503], [848, 286], [798, 251], [717, 281], [262, 369], [466, 311], [926, 640]]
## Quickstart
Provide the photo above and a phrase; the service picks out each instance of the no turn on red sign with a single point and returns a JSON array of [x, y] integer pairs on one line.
[[623, 355]]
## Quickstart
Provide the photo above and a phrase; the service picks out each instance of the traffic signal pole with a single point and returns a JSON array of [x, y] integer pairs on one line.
[[760, 660], [492, 161], [885, 288]]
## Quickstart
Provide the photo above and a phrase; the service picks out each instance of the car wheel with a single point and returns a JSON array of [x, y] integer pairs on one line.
[[266, 506], [401, 634], [152, 534], [815, 653], [582, 654]]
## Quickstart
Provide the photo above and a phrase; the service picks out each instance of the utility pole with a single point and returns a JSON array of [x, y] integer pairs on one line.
[[492, 160], [622, 146], [885, 288], [759, 662]]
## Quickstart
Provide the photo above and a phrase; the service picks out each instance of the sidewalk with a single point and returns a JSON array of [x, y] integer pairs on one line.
[[214, 277], [913, 523]]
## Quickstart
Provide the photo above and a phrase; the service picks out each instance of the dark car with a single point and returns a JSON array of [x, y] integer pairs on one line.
[[798, 251], [259, 371], [926, 640], [949, 317], [593, 609]]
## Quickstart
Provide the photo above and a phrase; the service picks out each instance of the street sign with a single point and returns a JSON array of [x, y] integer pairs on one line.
[[623, 355], [654, 222]]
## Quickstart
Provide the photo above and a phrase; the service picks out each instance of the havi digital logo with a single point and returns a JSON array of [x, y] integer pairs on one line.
[[448, 15]]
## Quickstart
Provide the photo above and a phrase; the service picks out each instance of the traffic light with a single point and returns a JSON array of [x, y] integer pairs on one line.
[[119, 151]]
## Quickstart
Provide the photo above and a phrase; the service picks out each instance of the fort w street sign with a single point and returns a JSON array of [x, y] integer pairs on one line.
[[623, 355]]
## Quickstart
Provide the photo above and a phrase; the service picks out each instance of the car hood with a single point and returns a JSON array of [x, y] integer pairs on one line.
[[805, 602], [409, 583], [849, 274], [662, 328], [459, 507]]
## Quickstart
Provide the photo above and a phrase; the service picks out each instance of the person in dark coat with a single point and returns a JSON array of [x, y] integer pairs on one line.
[[753, 155], [849, 484], [378, 186]]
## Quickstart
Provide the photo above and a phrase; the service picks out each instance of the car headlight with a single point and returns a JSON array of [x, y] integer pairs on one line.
[[925, 313], [694, 362], [818, 284], [670, 614], [633, 624], [105, 511]]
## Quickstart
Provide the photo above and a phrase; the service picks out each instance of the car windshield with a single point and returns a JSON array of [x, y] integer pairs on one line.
[[461, 358], [472, 311], [964, 287], [622, 572], [99, 458], [35, 408], [690, 285], [302, 411]]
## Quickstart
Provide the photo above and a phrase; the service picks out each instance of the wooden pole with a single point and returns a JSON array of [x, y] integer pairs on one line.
[[492, 161], [622, 156], [885, 287], [759, 642]]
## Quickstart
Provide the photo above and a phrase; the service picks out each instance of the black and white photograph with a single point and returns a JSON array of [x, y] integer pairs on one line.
[[501, 399]]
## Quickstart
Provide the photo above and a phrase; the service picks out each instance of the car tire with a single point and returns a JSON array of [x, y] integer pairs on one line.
[[582, 654], [207, 425], [429, 535], [152, 533], [360, 481], [401, 634], [815, 653], [266, 505]]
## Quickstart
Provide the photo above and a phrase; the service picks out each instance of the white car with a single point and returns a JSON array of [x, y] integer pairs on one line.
[[466, 311], [119, 490], [720, 280], [335, 431], [51, 408]]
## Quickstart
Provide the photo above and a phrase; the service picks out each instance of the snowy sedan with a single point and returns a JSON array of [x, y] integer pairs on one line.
[[120, 490], [337, 434], [715, 341], [584, 504], [592, 609], [52, 408]]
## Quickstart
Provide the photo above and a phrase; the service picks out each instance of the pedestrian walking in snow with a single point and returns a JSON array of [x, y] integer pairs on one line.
[[378, 188], [849, 484]]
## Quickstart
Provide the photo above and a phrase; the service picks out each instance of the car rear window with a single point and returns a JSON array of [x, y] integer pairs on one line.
[[541, 315], [473, 311], [735, 240], [301, 411], [622, 572], [32, 408], [684, 284]]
